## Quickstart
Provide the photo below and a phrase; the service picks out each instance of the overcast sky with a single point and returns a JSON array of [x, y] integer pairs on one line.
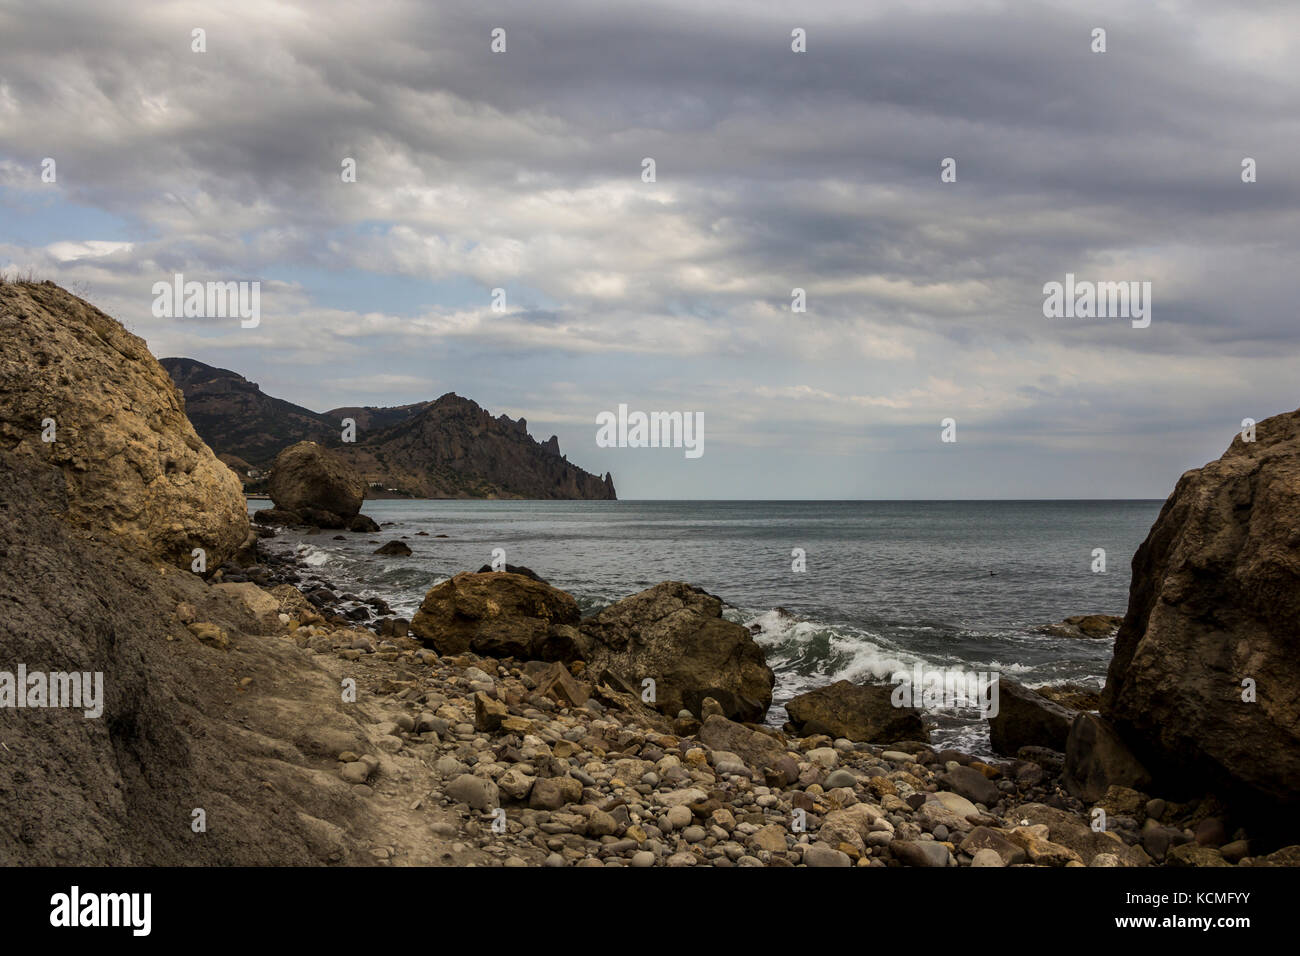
[[820, 170]]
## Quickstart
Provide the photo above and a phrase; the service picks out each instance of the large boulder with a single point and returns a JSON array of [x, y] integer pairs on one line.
[[675, 634], [861, 712], [308, 477], [1202, 684], [135, 470], [499, 614], [1027, 719]]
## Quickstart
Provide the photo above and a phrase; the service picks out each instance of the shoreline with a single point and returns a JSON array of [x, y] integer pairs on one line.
[[887, 804]]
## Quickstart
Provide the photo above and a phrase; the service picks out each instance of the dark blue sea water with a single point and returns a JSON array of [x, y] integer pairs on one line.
[[951, 584]]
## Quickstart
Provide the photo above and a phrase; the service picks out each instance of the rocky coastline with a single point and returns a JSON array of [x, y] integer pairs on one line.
[[498, 726]]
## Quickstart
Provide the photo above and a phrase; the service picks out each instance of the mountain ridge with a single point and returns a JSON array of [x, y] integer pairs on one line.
[[450, 447]]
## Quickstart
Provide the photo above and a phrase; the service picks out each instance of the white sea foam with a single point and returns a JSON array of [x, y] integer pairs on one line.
[[313, 556]]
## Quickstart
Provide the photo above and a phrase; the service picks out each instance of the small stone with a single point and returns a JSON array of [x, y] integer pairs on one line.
[[841, 778], [770, 838], [821, 855], [1210, 832], [210, 634], [488, 713], [354, 772], [552, 793], [824, 757], [515, 784], [920, 852], [479, 792], [679, 816]]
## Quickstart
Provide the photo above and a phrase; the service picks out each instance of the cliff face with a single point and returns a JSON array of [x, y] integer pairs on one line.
[[79, 392], [1202, 684], [454, 448], [451, 448], [175, 731]]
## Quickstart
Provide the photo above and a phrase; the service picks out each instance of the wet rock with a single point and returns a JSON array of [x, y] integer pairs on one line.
[[361, 523]]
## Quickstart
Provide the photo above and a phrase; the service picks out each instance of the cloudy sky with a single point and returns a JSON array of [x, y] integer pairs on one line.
[[774, 169]]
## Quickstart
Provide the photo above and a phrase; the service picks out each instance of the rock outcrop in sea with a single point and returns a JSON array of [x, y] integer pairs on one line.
[[309, 484]]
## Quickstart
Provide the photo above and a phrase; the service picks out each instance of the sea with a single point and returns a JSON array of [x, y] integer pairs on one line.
[[883, 586]]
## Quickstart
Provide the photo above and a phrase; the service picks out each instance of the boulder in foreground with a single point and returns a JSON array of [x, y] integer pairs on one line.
[[135, 470], [860, 712], [676, 635], [672, 634], [500, 615], [1202, 684]]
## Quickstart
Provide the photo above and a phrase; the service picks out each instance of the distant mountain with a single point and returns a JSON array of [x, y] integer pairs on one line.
[[449, 448], [453, 448], [236, 418]]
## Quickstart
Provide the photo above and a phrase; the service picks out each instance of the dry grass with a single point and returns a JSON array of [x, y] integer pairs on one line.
[[18, 278]]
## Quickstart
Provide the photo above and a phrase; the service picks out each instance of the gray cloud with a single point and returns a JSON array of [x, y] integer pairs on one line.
[[775, 170]]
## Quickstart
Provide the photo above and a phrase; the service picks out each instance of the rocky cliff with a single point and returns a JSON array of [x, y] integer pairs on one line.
[[81, 393], [449, 448], [454, 448]]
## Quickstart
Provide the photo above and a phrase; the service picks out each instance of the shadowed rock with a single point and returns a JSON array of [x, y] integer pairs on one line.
[[116, 790], [498, 614], [1213, 606], [1096, 759], [862, 712], [1027, 719]]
